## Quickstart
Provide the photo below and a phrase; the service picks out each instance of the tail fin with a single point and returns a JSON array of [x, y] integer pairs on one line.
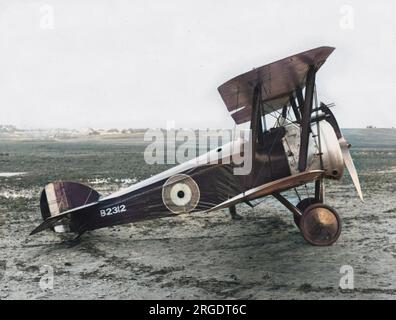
[[59, 200]]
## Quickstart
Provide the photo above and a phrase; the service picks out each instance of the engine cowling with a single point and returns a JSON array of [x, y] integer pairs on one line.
[[332, 159]]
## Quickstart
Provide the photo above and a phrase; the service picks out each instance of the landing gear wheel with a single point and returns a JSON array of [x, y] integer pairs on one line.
[[302, 205], [320, 225]]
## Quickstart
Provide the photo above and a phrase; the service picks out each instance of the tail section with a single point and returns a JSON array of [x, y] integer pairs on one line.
[[60, 201]]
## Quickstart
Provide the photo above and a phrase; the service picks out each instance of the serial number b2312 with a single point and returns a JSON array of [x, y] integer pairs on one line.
[[112, 210]]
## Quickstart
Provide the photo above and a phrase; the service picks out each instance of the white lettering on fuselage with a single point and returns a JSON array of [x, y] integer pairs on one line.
[[112, 210]]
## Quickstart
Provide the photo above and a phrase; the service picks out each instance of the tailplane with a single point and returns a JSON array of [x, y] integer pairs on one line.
[[60, 201]]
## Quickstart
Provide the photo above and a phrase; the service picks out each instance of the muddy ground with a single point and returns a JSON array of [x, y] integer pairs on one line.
[[197, 256]]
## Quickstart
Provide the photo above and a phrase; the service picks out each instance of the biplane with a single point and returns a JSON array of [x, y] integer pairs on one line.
[[304, 147]]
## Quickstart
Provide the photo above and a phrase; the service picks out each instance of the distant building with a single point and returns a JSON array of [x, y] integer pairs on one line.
[[8, 128]]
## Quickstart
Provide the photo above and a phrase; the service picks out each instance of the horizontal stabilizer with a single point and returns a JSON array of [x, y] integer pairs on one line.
[[53, 220]]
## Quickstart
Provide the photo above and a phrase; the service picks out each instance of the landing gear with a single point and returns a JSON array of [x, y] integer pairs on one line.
[[320, 225], [302, 205]]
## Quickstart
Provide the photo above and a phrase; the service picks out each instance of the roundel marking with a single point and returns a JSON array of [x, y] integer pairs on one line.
[[180, 193]]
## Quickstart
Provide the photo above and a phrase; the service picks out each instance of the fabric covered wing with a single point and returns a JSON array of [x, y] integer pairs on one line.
[[271, 187], [279, 80]]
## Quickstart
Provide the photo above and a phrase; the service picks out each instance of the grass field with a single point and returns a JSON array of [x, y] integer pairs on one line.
[[192, 256]]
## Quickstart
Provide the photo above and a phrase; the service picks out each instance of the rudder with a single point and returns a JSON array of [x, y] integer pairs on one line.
[[60, 196]]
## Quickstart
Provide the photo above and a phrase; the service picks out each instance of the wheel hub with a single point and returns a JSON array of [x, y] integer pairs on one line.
[[320, 225]]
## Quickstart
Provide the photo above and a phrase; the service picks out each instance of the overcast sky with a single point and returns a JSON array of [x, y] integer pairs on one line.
[[92, 63]]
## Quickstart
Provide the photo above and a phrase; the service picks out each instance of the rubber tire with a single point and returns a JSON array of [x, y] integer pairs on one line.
[[308, 220], [302, 206]]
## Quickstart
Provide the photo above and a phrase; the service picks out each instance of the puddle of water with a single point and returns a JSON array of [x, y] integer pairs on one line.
[[11, 174], [98, 181], [390, 170], [127, 181], [13, 194]]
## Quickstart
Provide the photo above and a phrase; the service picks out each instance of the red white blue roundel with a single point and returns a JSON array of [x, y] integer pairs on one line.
[[180, 193]]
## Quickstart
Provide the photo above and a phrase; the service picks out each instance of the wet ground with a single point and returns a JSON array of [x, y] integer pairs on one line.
[[199, 256]]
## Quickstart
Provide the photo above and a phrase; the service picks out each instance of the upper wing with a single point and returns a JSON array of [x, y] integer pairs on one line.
[[271, 187], [279, 80]]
